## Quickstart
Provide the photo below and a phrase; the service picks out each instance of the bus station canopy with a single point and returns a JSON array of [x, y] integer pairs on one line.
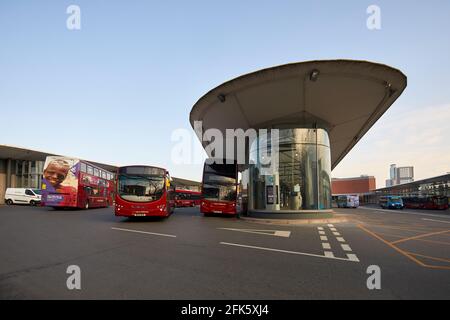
[[345, 97]]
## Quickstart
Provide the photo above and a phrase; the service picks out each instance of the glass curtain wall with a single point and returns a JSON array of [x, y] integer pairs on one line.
[[303, 179], [28, 174]]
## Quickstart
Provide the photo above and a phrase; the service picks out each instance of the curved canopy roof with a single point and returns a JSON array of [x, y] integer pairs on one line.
[[345, 97]]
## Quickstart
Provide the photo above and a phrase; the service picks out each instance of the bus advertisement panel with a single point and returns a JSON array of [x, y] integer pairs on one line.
[[219, 188], [143, 191], [348, 201], [68, 182], [60, 181]]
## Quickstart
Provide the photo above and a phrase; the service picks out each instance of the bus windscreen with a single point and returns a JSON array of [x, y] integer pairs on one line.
[[219, 182], [140, 188]]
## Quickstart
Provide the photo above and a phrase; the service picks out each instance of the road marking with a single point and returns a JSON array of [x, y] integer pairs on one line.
[[322, 232], [428, 257], [352, 257], [276, 233], [405, 212], [333, 229], [320, 228], [328, 256], [433, 241], [330, 225], [340, 239], [420, 236], [373, 234], [324, 238], [336, 233], [346, 247], [326, 245], [145, 232], [435, 220]]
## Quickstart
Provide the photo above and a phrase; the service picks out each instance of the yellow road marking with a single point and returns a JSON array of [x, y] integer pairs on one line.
[[404, 253], [428, 257], [433, 241], [420, 236], [398, 228]]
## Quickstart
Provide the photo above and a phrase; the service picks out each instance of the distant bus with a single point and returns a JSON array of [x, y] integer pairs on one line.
[[347, 201], [219, 189], [429, 202], [391, 202], [74, 183], [187, 198], [144, 191]]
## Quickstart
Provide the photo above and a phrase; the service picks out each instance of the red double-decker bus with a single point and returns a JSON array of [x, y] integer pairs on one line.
[[187, 198], [428, 202], [219, 188], [143, 191], [74, 183]]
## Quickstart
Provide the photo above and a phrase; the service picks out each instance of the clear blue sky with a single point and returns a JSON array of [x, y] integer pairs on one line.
[[132, 73]]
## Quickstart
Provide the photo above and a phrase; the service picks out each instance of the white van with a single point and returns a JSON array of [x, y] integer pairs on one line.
[[22, 196]]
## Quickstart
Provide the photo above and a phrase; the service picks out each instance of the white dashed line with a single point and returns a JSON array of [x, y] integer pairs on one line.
[[352, 257], [327, 246], [346, 247]]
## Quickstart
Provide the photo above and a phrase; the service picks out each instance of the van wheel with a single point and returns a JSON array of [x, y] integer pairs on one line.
[[32, 203], [9, 202]]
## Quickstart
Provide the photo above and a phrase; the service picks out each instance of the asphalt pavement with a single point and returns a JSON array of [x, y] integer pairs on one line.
[[188, 256]]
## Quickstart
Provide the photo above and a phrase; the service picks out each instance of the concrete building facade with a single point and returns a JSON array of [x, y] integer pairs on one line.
[[399, 175]]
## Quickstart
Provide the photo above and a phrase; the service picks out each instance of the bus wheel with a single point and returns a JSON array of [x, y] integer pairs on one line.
[[9, 202], [86, 206]]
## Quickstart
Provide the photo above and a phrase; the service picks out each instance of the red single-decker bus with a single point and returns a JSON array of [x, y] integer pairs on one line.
[[143, 191]]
